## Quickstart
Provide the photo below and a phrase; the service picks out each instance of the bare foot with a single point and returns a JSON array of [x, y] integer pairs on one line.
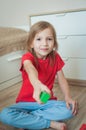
[[58, 125]]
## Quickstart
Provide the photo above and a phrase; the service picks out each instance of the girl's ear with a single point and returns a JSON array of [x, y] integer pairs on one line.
[[31, 45], [54, 49]]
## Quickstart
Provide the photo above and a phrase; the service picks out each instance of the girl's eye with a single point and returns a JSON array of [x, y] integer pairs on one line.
[[38, 39], [50, 39]]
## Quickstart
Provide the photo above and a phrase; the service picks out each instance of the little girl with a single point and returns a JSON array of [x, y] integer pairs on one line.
[[39, 67]]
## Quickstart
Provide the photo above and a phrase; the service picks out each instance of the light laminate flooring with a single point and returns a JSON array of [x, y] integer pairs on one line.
[[8, 96]]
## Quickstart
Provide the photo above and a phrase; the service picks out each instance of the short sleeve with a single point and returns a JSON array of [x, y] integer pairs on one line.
[[60, 63], [27, 56]]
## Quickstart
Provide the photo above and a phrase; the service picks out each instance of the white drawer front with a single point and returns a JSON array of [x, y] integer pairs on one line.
[[72, 46], [75, 69], [71, 23], [9, 66]]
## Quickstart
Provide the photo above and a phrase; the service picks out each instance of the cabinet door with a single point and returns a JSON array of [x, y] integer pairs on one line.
[[70, 23], [9, 66], [72, 46], [75, 68]]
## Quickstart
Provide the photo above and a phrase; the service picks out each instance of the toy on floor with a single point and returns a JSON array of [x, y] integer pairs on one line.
[[83, 127]]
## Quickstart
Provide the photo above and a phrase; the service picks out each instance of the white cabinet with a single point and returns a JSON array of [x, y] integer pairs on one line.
[[69, 23], [72, 46], [75, 68], [71, 35], [73, 51], [9, 69]]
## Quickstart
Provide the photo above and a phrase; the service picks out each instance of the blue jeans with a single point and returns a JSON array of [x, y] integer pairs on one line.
[[31, 115]]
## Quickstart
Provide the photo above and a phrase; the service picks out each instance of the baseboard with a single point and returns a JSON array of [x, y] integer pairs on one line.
[[75, 82]]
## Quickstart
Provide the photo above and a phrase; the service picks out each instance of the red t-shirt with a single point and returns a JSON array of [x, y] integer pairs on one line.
[[46, 74]]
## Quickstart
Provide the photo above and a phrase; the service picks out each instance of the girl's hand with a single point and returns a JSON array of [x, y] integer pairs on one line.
[[36, 94], [38, 89], [70, 101]]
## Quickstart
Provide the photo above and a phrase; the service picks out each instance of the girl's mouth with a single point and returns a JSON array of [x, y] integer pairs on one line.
[[44, 49]]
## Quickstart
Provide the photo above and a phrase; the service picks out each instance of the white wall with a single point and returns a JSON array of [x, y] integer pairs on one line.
[[16, 12]]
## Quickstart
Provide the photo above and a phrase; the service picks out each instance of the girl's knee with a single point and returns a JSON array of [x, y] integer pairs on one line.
[[62, 111]]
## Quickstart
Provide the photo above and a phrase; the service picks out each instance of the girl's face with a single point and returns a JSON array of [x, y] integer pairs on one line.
[[43, 43]]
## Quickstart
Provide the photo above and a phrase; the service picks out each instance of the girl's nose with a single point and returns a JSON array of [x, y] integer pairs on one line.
[[45, 42]]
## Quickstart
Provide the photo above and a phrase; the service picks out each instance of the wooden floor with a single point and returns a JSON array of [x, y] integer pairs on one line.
[[8, 96]]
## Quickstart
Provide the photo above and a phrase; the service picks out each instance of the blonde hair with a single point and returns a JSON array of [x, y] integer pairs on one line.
[[36, 28]]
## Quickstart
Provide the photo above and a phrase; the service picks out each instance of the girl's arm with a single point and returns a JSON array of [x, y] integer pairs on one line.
[[36, 83], [65, 89], [63, 84]]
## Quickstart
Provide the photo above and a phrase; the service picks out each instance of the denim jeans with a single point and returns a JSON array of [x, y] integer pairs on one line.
[[31, 115]]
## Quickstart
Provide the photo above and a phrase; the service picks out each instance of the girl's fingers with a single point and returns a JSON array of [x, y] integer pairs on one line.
[[75, 108], [68, 105]]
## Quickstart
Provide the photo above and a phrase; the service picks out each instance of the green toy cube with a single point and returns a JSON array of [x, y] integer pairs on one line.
[[44, 97]]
